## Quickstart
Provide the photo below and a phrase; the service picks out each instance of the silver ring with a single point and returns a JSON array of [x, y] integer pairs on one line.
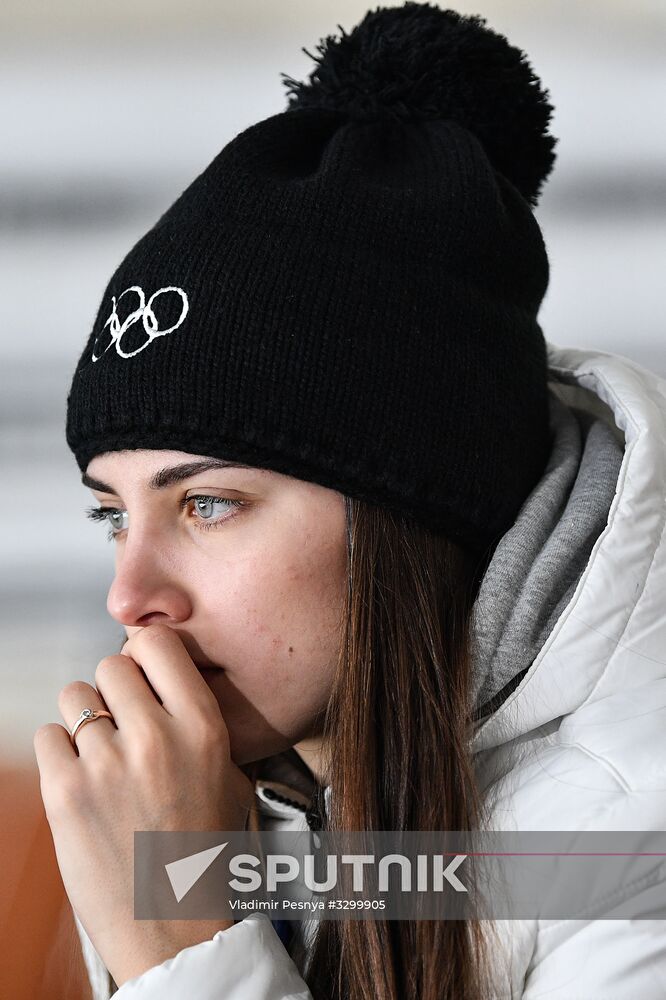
[[87, 715]]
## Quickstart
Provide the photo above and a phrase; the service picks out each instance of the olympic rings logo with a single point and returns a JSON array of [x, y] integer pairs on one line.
[[145, 313]]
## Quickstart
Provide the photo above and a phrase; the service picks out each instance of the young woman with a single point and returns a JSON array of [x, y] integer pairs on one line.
[[385, 558]]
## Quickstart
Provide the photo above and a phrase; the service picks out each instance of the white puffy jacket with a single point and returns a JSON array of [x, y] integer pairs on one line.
[[579, 745]]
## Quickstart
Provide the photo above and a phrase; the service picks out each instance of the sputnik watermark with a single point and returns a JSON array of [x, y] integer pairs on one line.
[[250, 874], [409, 875]]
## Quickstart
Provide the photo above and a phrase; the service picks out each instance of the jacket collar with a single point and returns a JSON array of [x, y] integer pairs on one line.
[[612, 633]]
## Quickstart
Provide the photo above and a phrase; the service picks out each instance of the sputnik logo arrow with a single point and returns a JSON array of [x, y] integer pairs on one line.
[[185, 872]]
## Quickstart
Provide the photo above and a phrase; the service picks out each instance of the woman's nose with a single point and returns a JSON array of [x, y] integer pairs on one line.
[[145, 589]]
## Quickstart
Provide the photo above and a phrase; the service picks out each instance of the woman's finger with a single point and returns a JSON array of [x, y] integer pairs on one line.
[[127, 692], [160, 653], [72, 700]]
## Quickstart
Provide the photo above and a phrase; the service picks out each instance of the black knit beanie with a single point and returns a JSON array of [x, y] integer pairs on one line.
[[349, 292]]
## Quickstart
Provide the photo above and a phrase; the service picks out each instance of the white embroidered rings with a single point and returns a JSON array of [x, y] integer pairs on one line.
[[145, 313]]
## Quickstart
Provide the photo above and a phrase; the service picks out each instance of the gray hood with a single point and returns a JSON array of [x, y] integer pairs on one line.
[[537, 564]]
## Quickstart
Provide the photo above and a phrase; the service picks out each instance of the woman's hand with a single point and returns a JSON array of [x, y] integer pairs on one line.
[[160, 767]]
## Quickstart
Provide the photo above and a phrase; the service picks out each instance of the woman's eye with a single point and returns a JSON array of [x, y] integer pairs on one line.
[[205, 507], [111, 515], [116, 519]]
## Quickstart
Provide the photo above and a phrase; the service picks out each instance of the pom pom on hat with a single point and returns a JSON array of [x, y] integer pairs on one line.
[[419, 62]]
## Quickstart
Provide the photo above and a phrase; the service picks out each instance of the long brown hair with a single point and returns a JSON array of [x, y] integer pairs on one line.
[[396, 734]]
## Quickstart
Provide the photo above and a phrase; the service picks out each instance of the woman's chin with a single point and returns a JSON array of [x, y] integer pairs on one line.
[[250, 736]]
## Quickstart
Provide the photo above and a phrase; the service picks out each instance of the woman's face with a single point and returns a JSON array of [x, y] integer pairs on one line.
[[254, 590]]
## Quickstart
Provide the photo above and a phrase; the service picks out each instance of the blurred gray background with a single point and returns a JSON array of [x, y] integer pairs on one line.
[[109, 111]]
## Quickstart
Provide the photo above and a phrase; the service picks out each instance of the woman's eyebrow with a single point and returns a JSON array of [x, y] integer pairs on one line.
[[168, 476]]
